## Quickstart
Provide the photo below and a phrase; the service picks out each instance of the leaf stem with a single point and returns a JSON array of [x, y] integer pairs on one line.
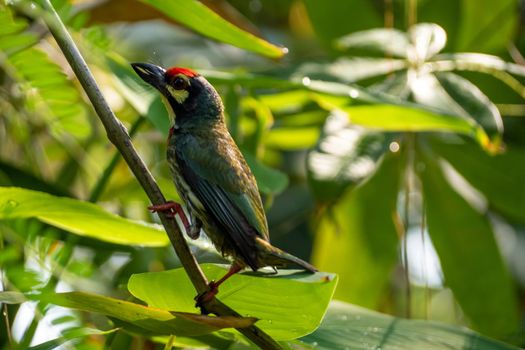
[[119, 136]]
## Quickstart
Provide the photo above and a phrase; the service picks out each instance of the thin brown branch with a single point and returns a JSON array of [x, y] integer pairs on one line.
[[118, 135]]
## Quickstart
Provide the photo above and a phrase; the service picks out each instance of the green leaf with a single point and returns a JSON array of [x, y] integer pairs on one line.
[[473, 102], [498, 177], [288, 305], [469, 255], [12, 298], [388, 41], [269, 180], [154, 320], [405, 118], [292, 138], [343, 157], [81, 218], [357, 238], [476, 62], [350, 327], [69, 334], [56, 98], [351, 69], [196, 16]]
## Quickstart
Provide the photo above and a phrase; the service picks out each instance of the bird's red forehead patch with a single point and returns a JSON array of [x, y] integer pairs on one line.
[[173, 71]]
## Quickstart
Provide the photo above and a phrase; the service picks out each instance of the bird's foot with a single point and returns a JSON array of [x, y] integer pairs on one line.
[[205, 297], [213, 288], [172, 208]]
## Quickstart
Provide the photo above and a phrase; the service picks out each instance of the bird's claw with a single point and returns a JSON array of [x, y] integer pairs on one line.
[[203, 298]]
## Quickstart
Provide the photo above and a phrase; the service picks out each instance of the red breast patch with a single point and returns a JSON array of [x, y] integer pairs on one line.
[[173, 71]]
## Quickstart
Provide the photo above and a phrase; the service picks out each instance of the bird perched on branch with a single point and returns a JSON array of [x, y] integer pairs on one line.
[[211, 175]]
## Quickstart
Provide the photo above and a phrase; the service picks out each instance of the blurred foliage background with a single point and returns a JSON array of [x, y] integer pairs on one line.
[[388, 144]]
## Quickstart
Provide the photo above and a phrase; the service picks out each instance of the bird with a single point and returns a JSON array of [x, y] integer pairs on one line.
[[211, 175]]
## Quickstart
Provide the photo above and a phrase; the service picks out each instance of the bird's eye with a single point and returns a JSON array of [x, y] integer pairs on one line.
[[180, 83]]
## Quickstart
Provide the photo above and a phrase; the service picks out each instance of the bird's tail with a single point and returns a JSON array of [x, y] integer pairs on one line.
[[277, 257]]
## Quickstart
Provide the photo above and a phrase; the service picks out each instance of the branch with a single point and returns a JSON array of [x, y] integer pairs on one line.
[[118, 135]]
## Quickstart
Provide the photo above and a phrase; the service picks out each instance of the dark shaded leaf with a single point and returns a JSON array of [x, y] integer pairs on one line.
[[357, 237], [498, 177], [467, 249], [350, 327]]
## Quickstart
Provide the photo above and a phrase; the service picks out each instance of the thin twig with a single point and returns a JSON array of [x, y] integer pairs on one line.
[[118, 135]]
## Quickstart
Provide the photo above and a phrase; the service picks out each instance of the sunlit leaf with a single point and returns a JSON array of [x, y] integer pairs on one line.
[[476, 62], [344, 156], [196, 16], [403, 118], [292, 138], [351, 69], [154, 320], [56, 98], [388, 41], [82, 218], [288, 305], [12, 297], [473, 101], [468, 252], [350, 327], [357, 237]]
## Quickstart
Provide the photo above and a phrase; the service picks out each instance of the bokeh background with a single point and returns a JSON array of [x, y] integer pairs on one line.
[[388, 145]]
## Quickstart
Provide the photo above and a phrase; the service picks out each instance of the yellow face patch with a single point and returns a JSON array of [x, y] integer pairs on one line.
[[180, 95], [171, 113]]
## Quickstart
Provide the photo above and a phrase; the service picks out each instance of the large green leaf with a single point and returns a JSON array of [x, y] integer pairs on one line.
[[357, 237], [288, 305], [404, 118], [196, 16], [498, 177], [153, 320], [69, 335], [346, 326], [469, 255], [82, 218], [344, 156]]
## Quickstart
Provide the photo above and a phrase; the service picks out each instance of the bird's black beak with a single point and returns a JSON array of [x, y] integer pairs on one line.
[[151, 74]]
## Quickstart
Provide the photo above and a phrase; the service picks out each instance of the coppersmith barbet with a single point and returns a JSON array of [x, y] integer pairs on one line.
[[211, 175]]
